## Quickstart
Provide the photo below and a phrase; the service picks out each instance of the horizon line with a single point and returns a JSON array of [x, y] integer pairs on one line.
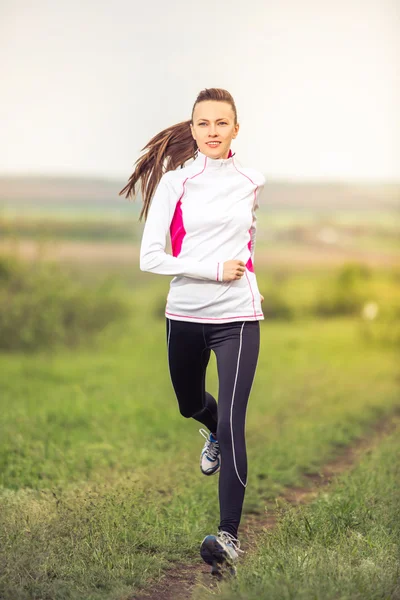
[[269, 179]]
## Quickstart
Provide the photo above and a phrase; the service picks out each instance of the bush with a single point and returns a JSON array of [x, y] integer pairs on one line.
[[275, 307], [346, 294], [384, 330], [41, 307]]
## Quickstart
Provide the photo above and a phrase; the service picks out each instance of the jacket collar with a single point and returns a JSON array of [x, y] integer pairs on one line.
[[204, 161]]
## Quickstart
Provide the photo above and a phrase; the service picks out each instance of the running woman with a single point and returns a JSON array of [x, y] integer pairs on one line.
[[208, 208]]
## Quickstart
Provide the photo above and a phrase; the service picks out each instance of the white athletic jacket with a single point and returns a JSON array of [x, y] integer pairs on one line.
[[208, 207]]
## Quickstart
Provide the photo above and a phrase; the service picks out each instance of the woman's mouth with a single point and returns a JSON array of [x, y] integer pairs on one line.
[[213, 144]]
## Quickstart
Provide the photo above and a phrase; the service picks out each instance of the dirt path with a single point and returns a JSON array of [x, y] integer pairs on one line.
[[178, 582]]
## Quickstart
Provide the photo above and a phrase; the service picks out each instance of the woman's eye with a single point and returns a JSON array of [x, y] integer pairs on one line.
[[223, 123]]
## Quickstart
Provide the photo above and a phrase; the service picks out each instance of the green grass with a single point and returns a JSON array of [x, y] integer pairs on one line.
[[345, 545], [99, 472], [100, 489]]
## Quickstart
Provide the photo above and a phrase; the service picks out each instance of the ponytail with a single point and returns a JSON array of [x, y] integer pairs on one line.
[[166, 151]]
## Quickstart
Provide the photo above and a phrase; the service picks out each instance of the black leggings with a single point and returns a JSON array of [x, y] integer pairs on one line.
[[236, 346]]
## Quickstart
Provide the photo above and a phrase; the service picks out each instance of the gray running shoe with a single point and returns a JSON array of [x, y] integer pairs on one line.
[[221, 551], [210, 457]]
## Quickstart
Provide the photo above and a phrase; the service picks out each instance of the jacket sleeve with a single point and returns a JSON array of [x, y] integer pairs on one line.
[[153, 257]]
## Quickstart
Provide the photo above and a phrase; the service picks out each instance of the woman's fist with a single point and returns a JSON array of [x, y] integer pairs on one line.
[[233, 269]]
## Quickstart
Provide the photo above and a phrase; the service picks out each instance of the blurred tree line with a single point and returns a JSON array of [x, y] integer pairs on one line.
[[42, 306]]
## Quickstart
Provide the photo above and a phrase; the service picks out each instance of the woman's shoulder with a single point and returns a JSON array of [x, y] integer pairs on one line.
[[176, 177], [254, 175], [172, 180], [178, 174]]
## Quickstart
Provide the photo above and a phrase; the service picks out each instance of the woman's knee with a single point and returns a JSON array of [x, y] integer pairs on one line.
[[186, 412], [189, 403]]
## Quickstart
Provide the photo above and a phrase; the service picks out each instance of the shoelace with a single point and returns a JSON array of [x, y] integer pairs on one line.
[[212, 448], [229, 539]]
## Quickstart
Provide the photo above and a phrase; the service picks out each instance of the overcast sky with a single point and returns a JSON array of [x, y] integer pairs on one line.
[[85, 84]]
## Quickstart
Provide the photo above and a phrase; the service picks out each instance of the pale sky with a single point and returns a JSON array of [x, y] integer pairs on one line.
[[85, 84]]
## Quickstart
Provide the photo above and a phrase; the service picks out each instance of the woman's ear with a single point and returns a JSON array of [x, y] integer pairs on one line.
[[236, 130]]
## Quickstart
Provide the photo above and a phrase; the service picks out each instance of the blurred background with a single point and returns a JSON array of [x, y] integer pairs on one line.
[[86, 86]]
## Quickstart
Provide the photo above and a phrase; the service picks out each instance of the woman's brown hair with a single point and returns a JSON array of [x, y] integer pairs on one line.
[[167, 151]]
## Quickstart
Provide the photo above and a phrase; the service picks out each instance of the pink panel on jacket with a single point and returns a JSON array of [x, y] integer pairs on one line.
[[177, 230], [249, 264]]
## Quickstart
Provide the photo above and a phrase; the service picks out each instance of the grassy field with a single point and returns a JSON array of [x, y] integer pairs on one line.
[[100, 489], [344, 545], [99, 472]]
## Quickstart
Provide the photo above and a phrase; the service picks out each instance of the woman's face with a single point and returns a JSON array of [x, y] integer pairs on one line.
[[214, 127]]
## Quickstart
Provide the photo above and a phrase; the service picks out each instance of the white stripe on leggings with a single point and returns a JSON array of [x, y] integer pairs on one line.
[[233, 399]]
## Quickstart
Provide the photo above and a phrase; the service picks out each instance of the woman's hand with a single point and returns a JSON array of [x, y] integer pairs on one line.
[[233, 269], [262, 298]]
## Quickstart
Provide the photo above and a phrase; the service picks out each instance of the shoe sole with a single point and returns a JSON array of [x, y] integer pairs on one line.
[[210, 472], [215, 555]]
